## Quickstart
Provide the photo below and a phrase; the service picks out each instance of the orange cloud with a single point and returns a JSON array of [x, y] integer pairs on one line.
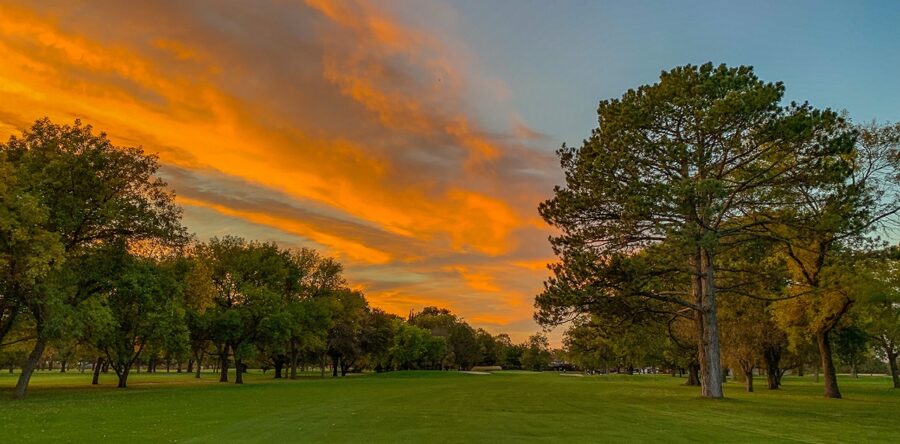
[[366, 121], [350, 249]]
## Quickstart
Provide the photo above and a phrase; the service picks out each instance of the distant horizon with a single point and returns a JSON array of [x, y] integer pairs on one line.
[[411, 140]]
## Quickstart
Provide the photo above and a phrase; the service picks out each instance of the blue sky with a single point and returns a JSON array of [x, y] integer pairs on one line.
[[560, 58]]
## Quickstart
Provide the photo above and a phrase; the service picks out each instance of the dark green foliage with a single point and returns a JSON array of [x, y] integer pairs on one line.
[[138, 308], [674, 174], [83, 193]]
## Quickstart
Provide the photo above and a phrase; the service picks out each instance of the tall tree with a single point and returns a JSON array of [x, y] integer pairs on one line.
[[680, 161], [93, 192]]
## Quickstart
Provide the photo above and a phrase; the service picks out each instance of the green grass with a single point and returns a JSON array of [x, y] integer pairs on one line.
[[441, 407]]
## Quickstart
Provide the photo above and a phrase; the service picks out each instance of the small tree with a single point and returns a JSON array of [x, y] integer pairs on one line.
[[879, 312], [536, 356], [140, 308]]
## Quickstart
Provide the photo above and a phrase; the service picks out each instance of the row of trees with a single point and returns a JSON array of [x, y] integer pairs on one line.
[[97, 267], [708, 224], [753, 342]]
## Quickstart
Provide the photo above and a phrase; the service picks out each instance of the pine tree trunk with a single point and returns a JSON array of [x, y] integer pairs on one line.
[[698, 369], [711, 378], [831, 389], [28, 368]]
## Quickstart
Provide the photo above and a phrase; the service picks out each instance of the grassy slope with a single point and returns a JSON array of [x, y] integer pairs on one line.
[[441, 407]]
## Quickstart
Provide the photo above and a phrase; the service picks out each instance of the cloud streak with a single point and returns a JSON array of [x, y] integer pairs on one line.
[[332, 123]]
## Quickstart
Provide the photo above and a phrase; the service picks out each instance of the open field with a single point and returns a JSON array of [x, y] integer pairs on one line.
[[440, 407]]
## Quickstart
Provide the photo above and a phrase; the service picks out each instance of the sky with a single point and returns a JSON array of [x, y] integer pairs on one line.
[[411, 139]]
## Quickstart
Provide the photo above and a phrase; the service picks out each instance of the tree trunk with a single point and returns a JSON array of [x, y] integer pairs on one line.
[[278, 366], [706, 323], [238, 366], [322, 366], [123, 376], [773, 366], [198, 358], [892, 367], [97, 366], [828, 371], [711, 381], [62, 365], [28, 367], [693, 375], [853, 370], [800, 370], [748, 377], [294, 358], [223, 364], [334, 367]]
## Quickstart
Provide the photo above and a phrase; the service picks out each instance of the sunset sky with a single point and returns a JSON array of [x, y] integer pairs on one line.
[[411, 139]]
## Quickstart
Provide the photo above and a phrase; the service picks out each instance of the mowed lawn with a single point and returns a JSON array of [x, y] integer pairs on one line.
[[441, 407]]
